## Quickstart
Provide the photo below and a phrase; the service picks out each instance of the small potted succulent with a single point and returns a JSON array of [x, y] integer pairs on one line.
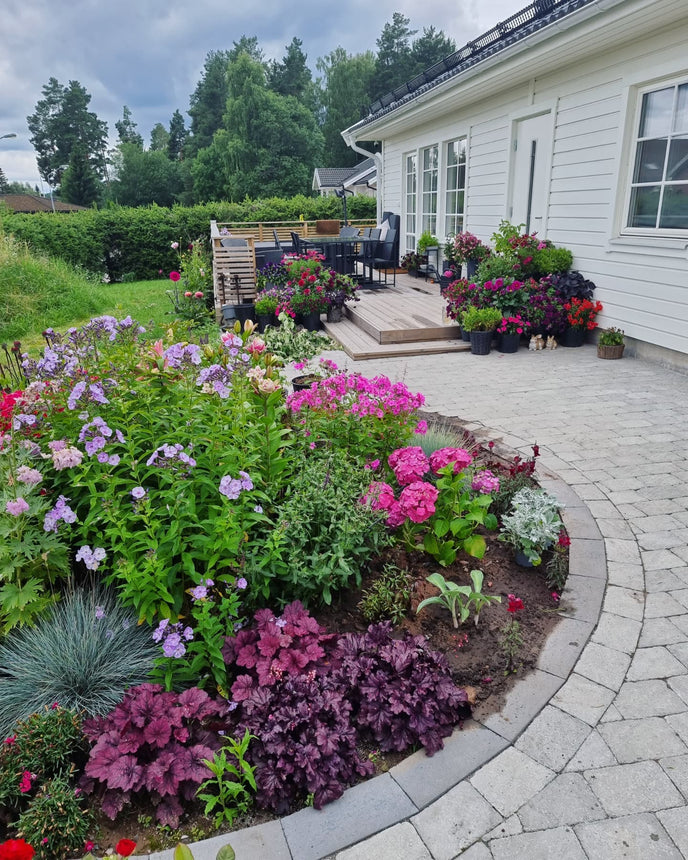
[[532, 526], [611, 343], [481, 323]]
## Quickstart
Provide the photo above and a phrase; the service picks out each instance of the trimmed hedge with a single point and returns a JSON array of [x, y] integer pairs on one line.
[[122, 240]]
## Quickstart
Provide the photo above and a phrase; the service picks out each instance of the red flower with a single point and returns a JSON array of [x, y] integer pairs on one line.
[[515, 603], [16, 849], [564, 539], [174, 276], [125, 847]]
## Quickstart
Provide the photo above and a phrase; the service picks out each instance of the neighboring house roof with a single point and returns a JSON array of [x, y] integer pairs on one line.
[[523, 24], [31, 203], [335, 177], [364, 173]]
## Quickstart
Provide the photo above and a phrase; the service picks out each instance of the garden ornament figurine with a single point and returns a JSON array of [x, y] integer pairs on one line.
[[531, 343], [551, 342]]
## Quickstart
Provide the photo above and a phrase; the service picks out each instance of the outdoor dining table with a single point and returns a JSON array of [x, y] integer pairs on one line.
[[342, 253]]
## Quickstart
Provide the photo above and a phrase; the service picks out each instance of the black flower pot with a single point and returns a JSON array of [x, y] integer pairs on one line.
[[481, 342], [304, 382], [335, 314], [311, 321], [507, 342], [574, 336], [471, 268], [264, 320], [244, 312], [465, 335]]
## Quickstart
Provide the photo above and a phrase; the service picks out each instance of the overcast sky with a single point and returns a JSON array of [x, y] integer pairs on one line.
[[149, 54]]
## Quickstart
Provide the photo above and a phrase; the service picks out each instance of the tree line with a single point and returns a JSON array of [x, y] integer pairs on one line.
[[257, 127]]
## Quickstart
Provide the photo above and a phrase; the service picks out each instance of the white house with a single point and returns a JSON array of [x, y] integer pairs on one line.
[[360, 179], [572, 118]]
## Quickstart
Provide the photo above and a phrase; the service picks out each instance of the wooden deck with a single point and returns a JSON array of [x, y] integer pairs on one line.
[[403, 320]]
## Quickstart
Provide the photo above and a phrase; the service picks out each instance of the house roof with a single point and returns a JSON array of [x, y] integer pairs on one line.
[[30, 203], [335, 177], [531, 19]]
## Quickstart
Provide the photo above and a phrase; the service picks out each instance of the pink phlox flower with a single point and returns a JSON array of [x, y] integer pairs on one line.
[[444, 456], [421, 428]]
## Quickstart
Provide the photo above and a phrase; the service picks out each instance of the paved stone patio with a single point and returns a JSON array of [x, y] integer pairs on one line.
[[602, 770]]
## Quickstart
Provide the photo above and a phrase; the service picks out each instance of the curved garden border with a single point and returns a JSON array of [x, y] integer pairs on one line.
[[419, 780]]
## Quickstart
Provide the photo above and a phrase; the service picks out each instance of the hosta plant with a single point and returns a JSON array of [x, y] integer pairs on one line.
[[459, 599]]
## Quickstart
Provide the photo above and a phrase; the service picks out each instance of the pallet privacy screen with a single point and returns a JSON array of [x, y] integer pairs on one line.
[[234, 271]]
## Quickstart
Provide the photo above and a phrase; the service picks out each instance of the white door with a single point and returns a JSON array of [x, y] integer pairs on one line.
[[531, 164]]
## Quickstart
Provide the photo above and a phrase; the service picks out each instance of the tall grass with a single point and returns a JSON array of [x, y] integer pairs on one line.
[[37, 292]]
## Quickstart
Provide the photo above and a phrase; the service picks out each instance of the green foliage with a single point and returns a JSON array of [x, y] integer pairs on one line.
[[494, 267], [552, 261], [292, 344], [57, 820], [557, 570], [228, 788], [611, 337], [45, 743], [143, 177], [427, 240], [509, 485], [38, 291], [71, 657], [322, 537], [481, 319], [510, 642], [442, 434], [533, 523], [459, 599], [389, 597]]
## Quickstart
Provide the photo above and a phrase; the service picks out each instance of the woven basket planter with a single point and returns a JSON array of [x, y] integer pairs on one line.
[[614, 351]]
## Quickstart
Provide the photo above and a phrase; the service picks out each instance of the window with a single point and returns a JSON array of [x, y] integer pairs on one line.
[[455, 187], [410, 201], [659, 185], [429, 158]]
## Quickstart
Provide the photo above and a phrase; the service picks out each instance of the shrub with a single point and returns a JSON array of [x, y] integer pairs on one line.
[[389, 597], [152, 745], [493, 268], [83, 654]]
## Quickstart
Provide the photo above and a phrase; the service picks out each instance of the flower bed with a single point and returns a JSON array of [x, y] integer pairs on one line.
[[176, 485]]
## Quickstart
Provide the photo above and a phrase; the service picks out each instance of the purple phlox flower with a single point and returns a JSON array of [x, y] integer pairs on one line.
[[100, 613], [231, 487], [61, 511], [66, 457], [246, 482], [216, 378], [102, 456], [57, 445], [173, 646], [241, 583], [17, 507], [258, 509], [159, 631], [91, 558], [28, 476], [231, 341], [139, 493], [188, 634], [182, 354], [113, 460], [172, 457], [94, 445], [23, 420]]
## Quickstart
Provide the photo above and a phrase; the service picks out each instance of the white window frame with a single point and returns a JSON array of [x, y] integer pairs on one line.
[[427, 217], [446, 189], [633, 141], [410, 208]]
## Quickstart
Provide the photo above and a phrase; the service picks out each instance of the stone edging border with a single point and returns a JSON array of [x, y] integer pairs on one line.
[[414, 783]]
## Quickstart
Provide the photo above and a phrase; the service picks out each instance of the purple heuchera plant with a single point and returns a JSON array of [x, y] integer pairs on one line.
[[310, 697], [152, 743]]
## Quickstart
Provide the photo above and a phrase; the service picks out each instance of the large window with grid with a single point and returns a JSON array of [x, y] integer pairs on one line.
[[455, 187], [429, 159], [410, 196], [659, 183]]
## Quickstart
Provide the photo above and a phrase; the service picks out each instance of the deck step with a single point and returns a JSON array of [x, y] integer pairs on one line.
[[392, 316], [359, 345]]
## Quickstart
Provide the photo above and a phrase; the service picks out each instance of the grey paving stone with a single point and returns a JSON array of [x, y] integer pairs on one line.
[[522, 704], [583, 699], [563, 492], [679, 723], [603, 510], [362, 811], [559, 842], [624, 551], [510, 780], [657, 523], [425, 778], [252, 843], [676, 768], [563, 646], [509, 827], [582, 598], [625, 602], [399, 841], [659, 604], [603, 665], [681, 596], [655, 559], [675, 822], [479, 851], [634, 837], [679, 684], [637, 740], [626, 789], [615, 529], [663, 540], [655, 662], [582, 528], [637, 699], [617, 632], [680, 651], [455, 821], [553, 738], [568, 799], [660, 631], [593, 753], [626, 575]]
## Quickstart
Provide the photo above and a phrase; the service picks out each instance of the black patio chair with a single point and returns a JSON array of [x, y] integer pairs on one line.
[[348, 232], [295, 242], [278, 244], [368, 252], [385, 258]]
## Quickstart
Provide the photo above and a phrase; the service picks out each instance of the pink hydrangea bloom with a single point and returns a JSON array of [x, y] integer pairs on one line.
[[444, 456], [380, 496], [408, 464], [485, 482], [417, 501], [395, 516]]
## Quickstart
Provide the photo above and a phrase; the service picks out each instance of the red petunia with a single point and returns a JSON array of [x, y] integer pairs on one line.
[[125, 847], [16, 849]]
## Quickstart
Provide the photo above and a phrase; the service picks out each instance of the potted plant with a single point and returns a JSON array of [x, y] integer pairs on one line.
[[610, 343], [266, 307], [303, 381], [532, 526], [509, 332], [412, 263], [309, 302], [481, 323], [466, 248], [580, 314], [340, 290]]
